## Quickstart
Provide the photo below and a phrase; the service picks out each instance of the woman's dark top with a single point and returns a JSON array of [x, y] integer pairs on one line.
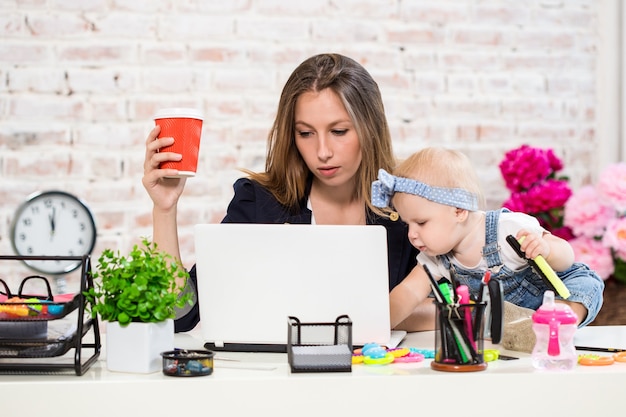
[[252, 203]]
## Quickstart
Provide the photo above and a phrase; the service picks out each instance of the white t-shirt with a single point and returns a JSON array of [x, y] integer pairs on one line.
[[509, 224]]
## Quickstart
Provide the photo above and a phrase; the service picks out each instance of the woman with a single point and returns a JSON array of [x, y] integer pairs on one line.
[[329, 139]]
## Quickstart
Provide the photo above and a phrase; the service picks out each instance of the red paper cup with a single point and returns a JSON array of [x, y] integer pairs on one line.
[[185, 126]]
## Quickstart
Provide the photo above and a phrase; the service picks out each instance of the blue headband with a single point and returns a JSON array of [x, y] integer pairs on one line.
[[387, 184]]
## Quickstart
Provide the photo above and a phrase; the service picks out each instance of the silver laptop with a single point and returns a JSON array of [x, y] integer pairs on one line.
[[252, 277]]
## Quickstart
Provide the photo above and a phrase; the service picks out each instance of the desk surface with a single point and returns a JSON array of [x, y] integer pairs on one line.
[[262, 383]]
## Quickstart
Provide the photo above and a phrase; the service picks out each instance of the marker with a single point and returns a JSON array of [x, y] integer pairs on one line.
[[445, 290], [464, 299], [541, 268]]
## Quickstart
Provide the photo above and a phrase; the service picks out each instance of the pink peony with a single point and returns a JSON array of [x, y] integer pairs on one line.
[[563, 232], [521, 168], [593, 253], [555, 163], [530, 175], [543, 197], [585, 215], [615, 236], [516, 202], [548, 195], [597, 216], [612, 186]]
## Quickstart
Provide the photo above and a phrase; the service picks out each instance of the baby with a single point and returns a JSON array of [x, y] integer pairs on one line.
[[437, 194]]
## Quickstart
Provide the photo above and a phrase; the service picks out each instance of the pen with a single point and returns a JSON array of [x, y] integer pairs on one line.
[[447, 343], [464, 348], [440, 299], [453, 280], [599, 349], [435, 286], [483, 319], [483, 293]]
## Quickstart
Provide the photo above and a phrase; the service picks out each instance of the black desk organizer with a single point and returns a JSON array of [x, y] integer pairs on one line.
[[319, 347], [29, 344]]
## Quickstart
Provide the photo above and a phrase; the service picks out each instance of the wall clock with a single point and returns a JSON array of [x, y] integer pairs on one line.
[[53, 223]]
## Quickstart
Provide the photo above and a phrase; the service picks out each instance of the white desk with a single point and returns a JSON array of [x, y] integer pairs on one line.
[[261, 384]]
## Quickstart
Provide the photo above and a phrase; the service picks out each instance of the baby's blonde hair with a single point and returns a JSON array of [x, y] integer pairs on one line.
[[441, 167]]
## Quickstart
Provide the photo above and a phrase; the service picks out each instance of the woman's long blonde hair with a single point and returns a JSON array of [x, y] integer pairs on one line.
[[286, 173]]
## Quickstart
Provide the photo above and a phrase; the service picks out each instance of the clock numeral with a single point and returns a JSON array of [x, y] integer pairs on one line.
[[22, 237], [74, 213], [29, 250], [81, 242], [34, 210], [47, 202], [27, 221]]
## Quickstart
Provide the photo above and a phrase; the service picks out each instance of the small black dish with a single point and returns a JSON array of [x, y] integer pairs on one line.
[[182, 362]]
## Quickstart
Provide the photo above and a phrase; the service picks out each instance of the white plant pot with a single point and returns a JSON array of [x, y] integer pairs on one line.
[[137, 347]]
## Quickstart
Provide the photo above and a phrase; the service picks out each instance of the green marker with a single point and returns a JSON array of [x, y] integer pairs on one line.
[[445, 291]]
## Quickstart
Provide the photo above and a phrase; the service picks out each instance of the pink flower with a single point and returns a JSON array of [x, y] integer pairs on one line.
[[543, 197], [530, 175], [548, 195], [615, 236], [585, 215], [555, 163], [612, 186], [516, 202], [593, 253], [600, 214], [525, 166], [563, 232]]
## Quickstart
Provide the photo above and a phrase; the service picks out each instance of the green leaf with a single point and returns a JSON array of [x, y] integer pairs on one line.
[[138, 287]]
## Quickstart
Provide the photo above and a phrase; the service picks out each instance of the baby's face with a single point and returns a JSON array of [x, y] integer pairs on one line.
[[432, 226]]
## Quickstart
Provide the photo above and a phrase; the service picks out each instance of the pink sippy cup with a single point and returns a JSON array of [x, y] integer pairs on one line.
[[554, 325]]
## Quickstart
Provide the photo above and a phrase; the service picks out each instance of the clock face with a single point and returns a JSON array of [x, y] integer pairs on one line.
[[53, 223]]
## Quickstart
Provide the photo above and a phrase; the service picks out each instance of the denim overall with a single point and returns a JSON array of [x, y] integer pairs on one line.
[[525, 288]]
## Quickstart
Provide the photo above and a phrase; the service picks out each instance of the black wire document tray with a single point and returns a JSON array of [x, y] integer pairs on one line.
[[320, 347], [39, 331]]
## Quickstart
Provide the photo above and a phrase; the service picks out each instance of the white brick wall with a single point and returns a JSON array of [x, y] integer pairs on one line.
[[79, 81]]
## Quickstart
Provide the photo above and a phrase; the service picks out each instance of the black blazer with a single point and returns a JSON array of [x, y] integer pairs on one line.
[[252, 203]]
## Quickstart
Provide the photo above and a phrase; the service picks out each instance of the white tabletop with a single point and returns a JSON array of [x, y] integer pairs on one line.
[[261, 383]]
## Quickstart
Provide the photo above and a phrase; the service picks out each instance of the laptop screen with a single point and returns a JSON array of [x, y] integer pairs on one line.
[[252, 277]]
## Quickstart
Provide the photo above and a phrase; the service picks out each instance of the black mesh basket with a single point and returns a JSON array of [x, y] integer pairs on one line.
[[320, 347]]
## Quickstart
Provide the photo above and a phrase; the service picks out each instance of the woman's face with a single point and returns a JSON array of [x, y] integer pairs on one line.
[[326, 138]]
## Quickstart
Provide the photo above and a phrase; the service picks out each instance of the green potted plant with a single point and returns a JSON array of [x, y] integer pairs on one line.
[[137, 294]]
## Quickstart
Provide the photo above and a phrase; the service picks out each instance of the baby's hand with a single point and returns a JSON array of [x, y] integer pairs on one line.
[[533, 244]]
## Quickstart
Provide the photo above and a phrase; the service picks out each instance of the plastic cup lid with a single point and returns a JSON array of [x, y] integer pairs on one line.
[[190, 113]]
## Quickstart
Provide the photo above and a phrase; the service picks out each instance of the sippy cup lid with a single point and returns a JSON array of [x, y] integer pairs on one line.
[[551, 311]]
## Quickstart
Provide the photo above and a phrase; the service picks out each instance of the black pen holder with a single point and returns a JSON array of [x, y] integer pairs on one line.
[[320, 347], [459, 338]]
